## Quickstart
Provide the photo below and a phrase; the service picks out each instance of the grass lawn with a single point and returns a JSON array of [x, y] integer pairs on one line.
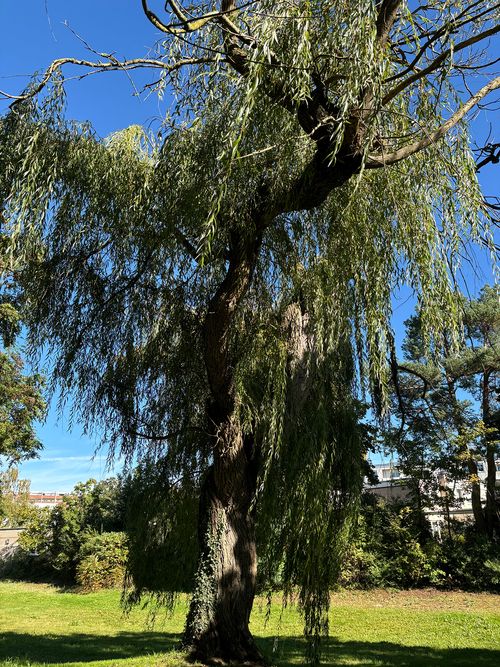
[[43, 625]]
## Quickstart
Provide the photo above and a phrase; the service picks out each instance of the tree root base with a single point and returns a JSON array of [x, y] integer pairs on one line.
[[228, 659]]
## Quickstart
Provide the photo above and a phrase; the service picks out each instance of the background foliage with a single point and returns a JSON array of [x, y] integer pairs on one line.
[[79, 541]]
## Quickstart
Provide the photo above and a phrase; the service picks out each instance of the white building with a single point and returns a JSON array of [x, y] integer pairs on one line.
[[392, 486], [49, 500]]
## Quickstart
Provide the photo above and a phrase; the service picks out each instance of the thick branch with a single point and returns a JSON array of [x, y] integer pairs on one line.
[[317, 181], [438, 61], [386, 18], [492, 153], [375, 161], [217, 326]]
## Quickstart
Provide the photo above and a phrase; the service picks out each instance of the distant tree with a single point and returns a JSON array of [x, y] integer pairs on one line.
[[107, 506], [449, 408], [35, 553], [477, 369], [15, 507], [92, 507], [214, 293], [58, 539], [21, 400], [21, 404]]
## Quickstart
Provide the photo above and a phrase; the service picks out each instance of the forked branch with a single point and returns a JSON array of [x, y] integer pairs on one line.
[[112, 64], [438, 61], [187, 25], [375, 161]]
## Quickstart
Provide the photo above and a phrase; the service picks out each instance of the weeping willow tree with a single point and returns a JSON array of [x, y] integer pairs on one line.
[[217, 295]]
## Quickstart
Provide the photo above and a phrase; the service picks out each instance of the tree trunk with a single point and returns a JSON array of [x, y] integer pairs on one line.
[[423, 530], [491, 509], [477, 508], [217, 624]]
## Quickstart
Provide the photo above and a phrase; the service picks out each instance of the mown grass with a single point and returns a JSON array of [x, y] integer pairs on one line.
[[43, 625]]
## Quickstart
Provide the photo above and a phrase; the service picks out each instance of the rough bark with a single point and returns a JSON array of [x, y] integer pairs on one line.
[[492, 523], [217, 624]]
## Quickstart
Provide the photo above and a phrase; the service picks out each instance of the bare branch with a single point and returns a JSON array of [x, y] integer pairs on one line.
[[492, 153], [112, 64], [438, 61], [447, 29], [186, 25], [375, 161]]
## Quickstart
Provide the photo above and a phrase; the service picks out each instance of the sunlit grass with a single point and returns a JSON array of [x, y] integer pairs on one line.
[[43, 625]]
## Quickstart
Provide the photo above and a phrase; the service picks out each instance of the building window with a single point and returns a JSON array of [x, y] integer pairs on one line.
[[480, 466], [390, 473]]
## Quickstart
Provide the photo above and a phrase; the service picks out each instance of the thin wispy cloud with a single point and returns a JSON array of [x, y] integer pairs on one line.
[[57, 459], [61, 473]]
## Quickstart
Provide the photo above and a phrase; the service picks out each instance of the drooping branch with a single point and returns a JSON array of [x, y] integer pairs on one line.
[[376, 161], [163, 436]]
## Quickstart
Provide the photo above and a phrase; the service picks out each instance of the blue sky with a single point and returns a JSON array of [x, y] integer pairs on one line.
[[34, 33]]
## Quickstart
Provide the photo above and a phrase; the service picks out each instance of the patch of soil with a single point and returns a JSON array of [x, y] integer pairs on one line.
[[425, 599]]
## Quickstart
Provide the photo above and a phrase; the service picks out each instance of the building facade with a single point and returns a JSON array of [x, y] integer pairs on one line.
[[49, 500], [393, 485]]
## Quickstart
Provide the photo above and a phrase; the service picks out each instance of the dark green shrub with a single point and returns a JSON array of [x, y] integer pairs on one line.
[[23, 566], [470, 562], [386, 550]]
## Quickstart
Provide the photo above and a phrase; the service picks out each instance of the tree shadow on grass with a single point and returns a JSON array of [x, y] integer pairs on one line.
[[290, 651], [286, 652], [83, 647]]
